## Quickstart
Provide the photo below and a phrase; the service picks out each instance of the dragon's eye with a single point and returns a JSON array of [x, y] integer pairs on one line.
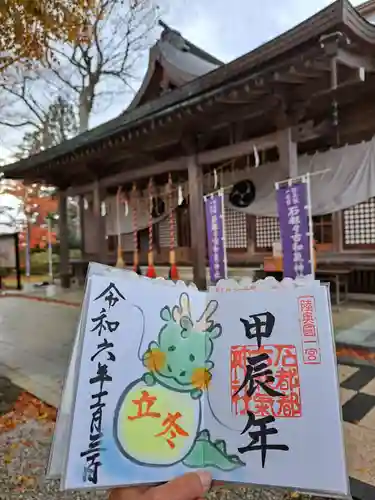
[[172, 348], [192, 357]]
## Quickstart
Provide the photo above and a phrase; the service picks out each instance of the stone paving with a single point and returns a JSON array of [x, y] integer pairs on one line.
[[362, 334], [35, 344]]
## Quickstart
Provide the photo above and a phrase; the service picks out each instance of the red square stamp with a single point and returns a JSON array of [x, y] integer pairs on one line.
[[265, 381], [309, 330]]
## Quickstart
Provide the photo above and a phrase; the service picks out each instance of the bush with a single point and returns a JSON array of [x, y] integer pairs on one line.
[[39, 263], [5, 271]]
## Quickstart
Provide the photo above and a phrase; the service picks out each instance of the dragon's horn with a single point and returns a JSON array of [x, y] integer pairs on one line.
[[183, 309], [205, 322]]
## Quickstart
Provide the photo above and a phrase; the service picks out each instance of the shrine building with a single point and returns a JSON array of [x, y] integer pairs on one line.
[[302, 102]]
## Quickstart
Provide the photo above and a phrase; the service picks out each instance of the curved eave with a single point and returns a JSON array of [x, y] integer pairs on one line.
[[339, 16], [153, 57], [366, 7], [357, 25]]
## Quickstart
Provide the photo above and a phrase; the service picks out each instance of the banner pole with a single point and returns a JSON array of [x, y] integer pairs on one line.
[[27, 251], [50, 256], [311, 225], [221, 194], [300, 178]]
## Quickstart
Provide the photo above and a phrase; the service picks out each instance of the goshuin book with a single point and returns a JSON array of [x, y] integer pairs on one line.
[[166, 379]]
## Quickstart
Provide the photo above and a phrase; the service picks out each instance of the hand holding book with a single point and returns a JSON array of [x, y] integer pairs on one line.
[[187, 487]]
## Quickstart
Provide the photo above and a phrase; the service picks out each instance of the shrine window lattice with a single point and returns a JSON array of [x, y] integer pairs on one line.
[[267, 231], [235, 229], [164, 233], [359, 225]]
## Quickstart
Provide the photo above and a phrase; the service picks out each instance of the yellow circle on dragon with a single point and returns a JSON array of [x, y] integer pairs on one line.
[[157, 426]]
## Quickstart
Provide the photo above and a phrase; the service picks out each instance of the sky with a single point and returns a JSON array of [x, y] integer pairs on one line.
[[227, 29]]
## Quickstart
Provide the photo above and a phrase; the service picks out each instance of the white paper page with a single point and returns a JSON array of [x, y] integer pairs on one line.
[[60, 438], [299, 350], [153, 408]]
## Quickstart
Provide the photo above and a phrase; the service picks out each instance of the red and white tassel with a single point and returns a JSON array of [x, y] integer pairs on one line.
[[151, 272], [173, 271]]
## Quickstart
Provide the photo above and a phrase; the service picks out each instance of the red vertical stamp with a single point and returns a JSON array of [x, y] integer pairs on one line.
[[309, 330], [265, 381]]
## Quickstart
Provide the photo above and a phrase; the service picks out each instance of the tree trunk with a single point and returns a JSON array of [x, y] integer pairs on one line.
[[83, 118], [84, 110]]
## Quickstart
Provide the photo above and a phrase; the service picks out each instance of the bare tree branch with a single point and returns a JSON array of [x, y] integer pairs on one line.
[[90, 73], [119, 34]]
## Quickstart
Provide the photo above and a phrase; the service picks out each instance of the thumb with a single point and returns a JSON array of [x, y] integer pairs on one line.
[[188, 487]]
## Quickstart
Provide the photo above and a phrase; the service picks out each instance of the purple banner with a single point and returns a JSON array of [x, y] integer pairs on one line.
[[294, 229], [215, 237]]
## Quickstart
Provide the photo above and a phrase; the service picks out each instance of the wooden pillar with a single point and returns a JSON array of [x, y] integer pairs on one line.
[[338, 236], [288, 153], [64, 239], [101, 242], [81, 204], [197, 223], [18, 260]]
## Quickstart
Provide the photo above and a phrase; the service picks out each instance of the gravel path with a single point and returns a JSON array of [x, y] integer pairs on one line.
[[23, 458], [24, 453]]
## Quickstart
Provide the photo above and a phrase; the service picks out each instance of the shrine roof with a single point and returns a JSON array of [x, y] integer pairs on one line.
[[204, 81], [366, 8], [181, 61]]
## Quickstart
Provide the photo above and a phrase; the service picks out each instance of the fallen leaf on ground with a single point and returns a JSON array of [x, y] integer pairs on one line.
[[27, 407], [26, 443]]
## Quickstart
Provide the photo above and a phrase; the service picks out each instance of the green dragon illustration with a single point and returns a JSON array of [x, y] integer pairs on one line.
[[180, 361]]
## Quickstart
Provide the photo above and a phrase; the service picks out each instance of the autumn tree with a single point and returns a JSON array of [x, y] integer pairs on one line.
[[28, 27], [90, 73], [35, 203]]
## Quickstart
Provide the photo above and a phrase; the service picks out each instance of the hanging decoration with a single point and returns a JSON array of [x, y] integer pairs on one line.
[[215, 179], [173, 271], [151, 272], [180, 196], [120, 261], [256, 157], [103, 209], [136, 266], [126, 206]]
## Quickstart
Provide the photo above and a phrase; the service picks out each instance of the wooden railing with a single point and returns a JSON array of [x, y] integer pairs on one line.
[[362, 281]]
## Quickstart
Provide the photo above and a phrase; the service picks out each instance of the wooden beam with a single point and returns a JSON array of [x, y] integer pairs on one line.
[[236, 150], [318, 65], [308, 131], [197, 222], [178, 164], [355, 61], [305, 72], [287, 77], [288, 153]]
